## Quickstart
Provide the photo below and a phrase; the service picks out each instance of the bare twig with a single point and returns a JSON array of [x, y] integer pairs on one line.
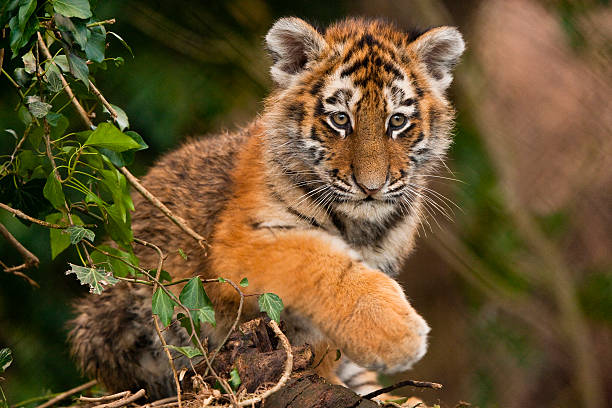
[[73, 98], [405, 383], [68, 393], [286, 373], [105, 397], [124, 401], [26, 217], [161, 402], [29, 258], [107, 105], [99, 23], [181, 223]]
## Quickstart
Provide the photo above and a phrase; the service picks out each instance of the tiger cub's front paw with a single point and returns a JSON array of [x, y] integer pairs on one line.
[[386, 333]]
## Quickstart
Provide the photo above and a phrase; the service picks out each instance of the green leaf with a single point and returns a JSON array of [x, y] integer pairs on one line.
[[53, 191], [244, 282], [72, 8], [235, 380], [194, 297], [20, 36], [78, 68], [78, 233], [163, 276], [6, 359], [272, 305], [108, 136], [222, 280], [97, 279], [182, 254], [39, 109], [207, 315], [26, 8], [122, 120], [53, 80], [59, 239], [67, 26], [96, 44], [163, 306], [117, 267], [122, 42], [137, 138], [29, 62], [188, 351], [24, 115]]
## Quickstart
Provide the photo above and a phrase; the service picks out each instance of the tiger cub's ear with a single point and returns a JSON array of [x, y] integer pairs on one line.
[[292, 44], [439, 50]]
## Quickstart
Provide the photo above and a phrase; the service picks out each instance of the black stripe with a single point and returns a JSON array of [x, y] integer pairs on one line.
[[301, 216], [316, 88], [408, 102]]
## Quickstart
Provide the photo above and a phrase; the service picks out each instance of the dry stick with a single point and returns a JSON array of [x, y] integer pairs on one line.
[[29, 258], [123, 402], [68, 393], [161, 402], [73, 98], [155, 201], [108, 106], [160, 265], [405, 383], [26, 217], [105, 397], [286, 373]]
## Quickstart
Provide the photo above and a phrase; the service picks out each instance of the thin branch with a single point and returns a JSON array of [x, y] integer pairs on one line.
[[107, 105], [181, 223], [124, 401], [105, 397], [99, 23], [286, 373], [405, 383], [26, 217], [160, 265], [68, 393], [29, 258], [67, 88]]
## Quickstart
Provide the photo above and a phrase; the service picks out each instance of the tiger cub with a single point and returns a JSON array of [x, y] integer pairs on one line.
[[317, 201]]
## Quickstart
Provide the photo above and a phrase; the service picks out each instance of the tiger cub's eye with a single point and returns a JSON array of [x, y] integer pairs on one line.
[[340, 119], [397, 120]]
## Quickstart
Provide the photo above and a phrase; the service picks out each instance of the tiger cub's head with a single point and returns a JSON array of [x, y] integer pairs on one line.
[[359, 114]]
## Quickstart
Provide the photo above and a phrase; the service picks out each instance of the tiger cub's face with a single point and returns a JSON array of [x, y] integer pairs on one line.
[[359, 117]]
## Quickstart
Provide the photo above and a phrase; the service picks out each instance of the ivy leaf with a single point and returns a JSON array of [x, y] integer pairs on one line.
[[29, 62], [97, 279], [39, 109], [72, 8], [244, 282], [53, 191], [163, 306], [194, 297], [58, 238], [122, 119], [206, 314], [122, 42], [188, 351], [53, 80], [78, 68], [78, 233], [96, 44], [235, 380], [109, 137], [26, 8], [272, 305], [6, 359]]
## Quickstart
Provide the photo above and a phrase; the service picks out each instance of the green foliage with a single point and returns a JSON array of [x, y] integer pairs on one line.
[[244, 282], [163, 306], [272, 305], [235, 380], [194, 297], [97, 279], [188, 351]]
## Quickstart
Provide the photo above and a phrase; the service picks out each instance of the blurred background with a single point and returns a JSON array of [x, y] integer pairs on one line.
[[517, 285]]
